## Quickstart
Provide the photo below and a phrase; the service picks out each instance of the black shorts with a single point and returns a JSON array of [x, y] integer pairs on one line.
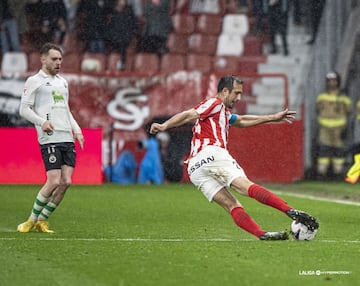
[[56, 155]]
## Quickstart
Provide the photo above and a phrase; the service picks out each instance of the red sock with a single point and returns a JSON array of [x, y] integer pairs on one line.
[[266, 197], [243, 220]]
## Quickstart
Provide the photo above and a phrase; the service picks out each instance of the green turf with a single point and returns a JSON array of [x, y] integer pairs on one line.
[[170, 235]]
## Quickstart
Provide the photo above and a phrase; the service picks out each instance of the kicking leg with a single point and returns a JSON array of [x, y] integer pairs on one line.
[[225, 199]]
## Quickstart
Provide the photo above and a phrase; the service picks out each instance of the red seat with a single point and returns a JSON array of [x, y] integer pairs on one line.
[[113, 61], [71, 63], [249, 64], [177, 43], [226, 64], [210, 24], [200, 43], [172, 63], [93, 62], [145, 63], [252, 46], [34, 63], [199, 62], [72, 44], [183, 23]]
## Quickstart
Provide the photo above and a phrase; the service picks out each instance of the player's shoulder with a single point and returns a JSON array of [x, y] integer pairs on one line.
[[62, 79], [34, 79]]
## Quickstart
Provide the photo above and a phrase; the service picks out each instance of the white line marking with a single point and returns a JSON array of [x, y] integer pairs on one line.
[[159, 239], [344, 202]]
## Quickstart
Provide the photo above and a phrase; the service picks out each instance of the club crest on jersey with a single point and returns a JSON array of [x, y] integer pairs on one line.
[[52, 159], [200, 163]]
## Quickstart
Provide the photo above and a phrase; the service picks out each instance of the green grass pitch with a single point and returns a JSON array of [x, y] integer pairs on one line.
[[170, 235]]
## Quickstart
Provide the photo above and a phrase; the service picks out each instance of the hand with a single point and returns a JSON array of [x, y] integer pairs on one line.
[[285, 115], [47, 126], [156, 128], [80, 138]]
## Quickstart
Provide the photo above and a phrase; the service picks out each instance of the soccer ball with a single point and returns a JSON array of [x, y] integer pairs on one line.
[[301, 232]]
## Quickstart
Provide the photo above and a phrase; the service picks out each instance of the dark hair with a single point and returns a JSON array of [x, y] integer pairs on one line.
[[228, 82], [49, 46]]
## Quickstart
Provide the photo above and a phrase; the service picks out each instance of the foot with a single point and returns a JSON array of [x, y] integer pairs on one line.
[[308, 220], [275, 235], [43, 226], [26, 226]]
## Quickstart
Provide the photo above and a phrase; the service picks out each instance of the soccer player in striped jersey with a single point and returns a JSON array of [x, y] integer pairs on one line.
[[44, 102], [214, 171]]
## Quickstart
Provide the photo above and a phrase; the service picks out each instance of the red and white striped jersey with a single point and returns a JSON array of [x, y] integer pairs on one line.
[[212, 127]]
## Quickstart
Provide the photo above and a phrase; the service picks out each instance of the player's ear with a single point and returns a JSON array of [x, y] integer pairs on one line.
[[225, 90]]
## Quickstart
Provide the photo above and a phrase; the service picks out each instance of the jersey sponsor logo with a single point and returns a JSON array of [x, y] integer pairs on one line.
[[58, 97], [200, 163]]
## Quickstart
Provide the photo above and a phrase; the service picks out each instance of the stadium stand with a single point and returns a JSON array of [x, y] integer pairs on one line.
[[225, 64], [71, 62], [177, 43], [209, 24], [230, 45], [93, 62], [34, 63], [235, 24], [146, 63], [203, 44], [14, 64], [183, 23], [199, 62], [172, 63]]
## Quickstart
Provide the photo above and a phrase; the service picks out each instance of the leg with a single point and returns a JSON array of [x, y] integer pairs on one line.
[[57, 196], [246, 187], [42, 200], [65, 183], [13, 35], [225, 199]]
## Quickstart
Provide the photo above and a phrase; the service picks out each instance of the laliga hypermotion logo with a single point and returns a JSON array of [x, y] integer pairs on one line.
[[126, 109]]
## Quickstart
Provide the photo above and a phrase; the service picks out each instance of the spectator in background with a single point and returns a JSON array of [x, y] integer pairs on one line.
[[91, 24], [71, 8], [333, 108], [353, 173], [259, 15], [120, 29], [137, 7], [47, 20], [315, 10], [277, 13], [205, 6], [158, 25], [8, 29], [17, 8], [151, 168]]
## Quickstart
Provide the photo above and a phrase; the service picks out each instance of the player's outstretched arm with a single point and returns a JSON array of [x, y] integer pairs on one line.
[[176, 120], [243, 121]]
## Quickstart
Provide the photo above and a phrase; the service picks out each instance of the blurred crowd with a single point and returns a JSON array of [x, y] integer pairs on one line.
[[103, 26]]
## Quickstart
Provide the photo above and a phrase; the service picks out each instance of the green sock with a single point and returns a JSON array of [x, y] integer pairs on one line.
[[39, 204], [47, 211]]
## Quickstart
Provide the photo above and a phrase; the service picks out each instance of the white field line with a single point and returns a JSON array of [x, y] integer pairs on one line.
[[311, 197], [161, 240]]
